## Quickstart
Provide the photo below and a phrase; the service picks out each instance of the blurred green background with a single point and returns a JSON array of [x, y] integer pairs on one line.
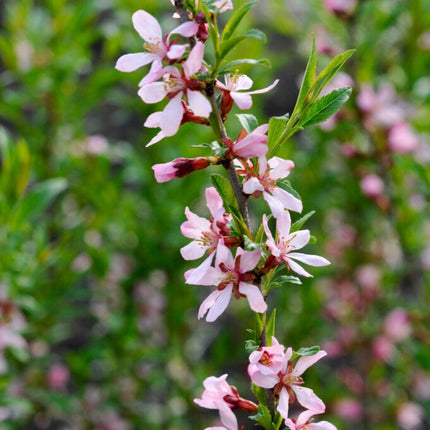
[[98, 329]]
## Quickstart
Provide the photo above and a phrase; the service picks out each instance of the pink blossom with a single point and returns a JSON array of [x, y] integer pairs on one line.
[[286, 244], [179, 168], [302, 423], [58, 376], [268, 359], [174, 86], [206, 233], [232, 276], [410, 416], [383, 348], [236, 83], [216, 389], [270, 172], [157, 48], [287, 381], [402, 139], [372, 185], [396, 325], [380, 107], [342, 7], [251, 145], [349, 409]]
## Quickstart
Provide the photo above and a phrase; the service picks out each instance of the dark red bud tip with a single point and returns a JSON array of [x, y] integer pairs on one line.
[[184, 166], [246, 405]]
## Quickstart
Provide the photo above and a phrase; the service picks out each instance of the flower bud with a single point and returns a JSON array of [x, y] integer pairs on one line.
[[179, 168]]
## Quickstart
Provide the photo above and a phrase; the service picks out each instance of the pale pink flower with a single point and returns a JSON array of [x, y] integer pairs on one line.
[[287, 381], [349, 409], [380, 107], [178, 168], [235, 84], [232, 276], [302, 423], [402, 139], [58, 376], [206, 233], [269, 172], [342, 7], [286, 244], [175, 86], [396, 325], [268, 359], [157, 48], [383, 348], [252, 145], [216, 389], [411, 416], [372, 185]]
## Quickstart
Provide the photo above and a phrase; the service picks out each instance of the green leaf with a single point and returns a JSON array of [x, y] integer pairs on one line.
[[329, 71], [236, 19], [230, 66], [38, 199], [300, 222], [308, 77], [250, 245], [248, 121], [259, 394], [270, 328], [251, 345], [325, 107], [286, 185], [260, 320], [306, 352], [276, 128], [263, 416], [229, 44], [289, 279], [222, 185]]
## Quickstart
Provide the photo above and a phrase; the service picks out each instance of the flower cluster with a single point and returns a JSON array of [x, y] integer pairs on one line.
[[236, 261]]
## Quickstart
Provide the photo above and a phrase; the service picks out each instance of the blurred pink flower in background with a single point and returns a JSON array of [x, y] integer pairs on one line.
[[402, 139], [372, 185], [341, 7], [348, 408], [410, 416], [58, 376], [396, 325]]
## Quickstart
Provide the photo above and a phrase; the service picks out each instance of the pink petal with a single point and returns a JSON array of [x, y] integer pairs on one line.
[[322, 425], [208, 303], [299, 239], [153, 92], [283, 405], [131, 62], [243, 100], [193, 251], [242, 82], [176, 51], [297, 268], [198, 103], [307, 398], [213, 200], [195, 226], [223, 255], [254, 296], [159, 136], [289, 201], [147, 26], [204, 274], [276, 206], [220, 304], [194, 61], [187, 29], [265, 90], [279, 167], [251, 185], [155, 73], [153, 120], [264, 381], [283, 226], [172, 116], [304, 363], [227, 416], [304, 417], [311, 260], [248, 260]]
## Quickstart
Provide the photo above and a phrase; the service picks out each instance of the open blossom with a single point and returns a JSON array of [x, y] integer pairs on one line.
[[302, 423], [220, 395], [287, 381], [234, 86], [402, 139], [174, 86], [156, 47], [286, 244], [249, 145], [269, 172], [232, 276], [207, 233]]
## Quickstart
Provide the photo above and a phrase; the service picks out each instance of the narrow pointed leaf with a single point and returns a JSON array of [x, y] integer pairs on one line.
[[236, 19], [222, 185], [276, 128], [330, 70], [230, 67], [270, 328], [325, 107], [229, 44], [300, 222], [308, 77]]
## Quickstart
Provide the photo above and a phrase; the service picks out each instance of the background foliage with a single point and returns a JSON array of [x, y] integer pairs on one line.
[[98, 329]]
